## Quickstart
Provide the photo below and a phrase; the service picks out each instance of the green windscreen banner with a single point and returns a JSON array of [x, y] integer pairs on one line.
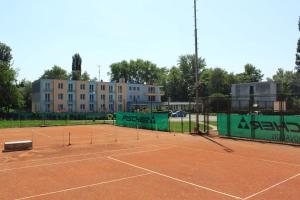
[[152, 121], [262, 127]]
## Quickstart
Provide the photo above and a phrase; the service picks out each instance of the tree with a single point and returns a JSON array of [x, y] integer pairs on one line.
[[25, 88], [85, 76], [174, 85], [10, 95], [5, 53], [298, 51], [56, 72], [186, 65], [284, 80], [250, 74], [76, 67], [138, 71]]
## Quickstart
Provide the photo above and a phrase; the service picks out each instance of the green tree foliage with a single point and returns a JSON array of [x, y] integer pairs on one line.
[[139, 71], [284, 80], [85, 77], [297, 62], [5, 53], [174, 85], [25, 88], [250, 74], [76, 67], [56, 72], [10, 95], [186, 65]]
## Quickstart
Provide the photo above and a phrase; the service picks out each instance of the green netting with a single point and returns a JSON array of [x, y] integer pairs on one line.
[[152, 121], [262, 127]]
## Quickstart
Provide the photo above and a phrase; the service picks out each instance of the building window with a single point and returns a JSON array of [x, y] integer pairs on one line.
[[82, 107], [60, 96], [111, 107], [111, 89], [130, 97], [60, 86], [91, 88], [120, 98], [47, 107], [120, 89], [134, 88], [102, 87], [102, 97], [130, 88], [111, 99], [60, 107], [82, 86], [91, 98], [70, 97], [151, 98], [70, 107], [92, 107], [70, 87], [138, 88], [47, 97], [47, 86], [138, 97], [82, 96], [120, 107], [102, 107]]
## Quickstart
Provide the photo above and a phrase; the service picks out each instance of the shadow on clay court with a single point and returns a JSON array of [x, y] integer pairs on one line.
[[227, 149]]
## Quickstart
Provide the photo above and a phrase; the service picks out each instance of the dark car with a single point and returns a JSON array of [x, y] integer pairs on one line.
[[179, 113]]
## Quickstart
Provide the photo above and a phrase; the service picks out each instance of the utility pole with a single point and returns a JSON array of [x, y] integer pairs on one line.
[[99, 72], [196, 66]]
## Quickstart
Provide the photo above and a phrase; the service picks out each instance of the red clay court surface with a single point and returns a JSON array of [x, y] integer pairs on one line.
[[108, 162]]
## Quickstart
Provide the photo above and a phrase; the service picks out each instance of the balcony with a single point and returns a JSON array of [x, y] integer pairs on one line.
[[161, 93]]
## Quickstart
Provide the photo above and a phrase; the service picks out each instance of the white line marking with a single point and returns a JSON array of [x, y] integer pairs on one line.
[[242, 156], [73, 161], [272, 186], [84, 186], [82, 154], [173, 178]]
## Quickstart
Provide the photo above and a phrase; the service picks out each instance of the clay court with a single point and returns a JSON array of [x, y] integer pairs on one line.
[[109, 162]]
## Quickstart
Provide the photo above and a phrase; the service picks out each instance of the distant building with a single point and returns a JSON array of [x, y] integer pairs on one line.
[[250, 95], [92, 96]]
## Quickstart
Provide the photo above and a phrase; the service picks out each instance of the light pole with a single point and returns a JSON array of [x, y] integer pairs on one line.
[[99, 72], [196, 67]]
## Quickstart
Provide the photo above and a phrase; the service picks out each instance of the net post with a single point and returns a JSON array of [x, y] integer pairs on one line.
[[69, 139]]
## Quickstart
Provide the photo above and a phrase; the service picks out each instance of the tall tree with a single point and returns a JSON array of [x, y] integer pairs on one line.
[[250, 74], [85, 76], [139, 71], [186, 65], [56, 72], [25, 88], [10, 95], [174, 85], [76, 67], [5, 53], [298, 51], [284, 80]]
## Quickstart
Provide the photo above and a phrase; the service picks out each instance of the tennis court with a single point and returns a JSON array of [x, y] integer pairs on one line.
[[109, 162]]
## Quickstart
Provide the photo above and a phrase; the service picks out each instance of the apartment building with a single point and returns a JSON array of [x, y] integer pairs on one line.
[[92, 96]]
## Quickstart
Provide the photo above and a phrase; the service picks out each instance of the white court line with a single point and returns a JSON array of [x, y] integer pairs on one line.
[[83, 154], [84, 186], [176, 179], [73, 161], [272, 186], [242, 156]]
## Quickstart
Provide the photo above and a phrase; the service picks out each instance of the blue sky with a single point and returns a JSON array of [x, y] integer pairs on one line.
[[231, 33]]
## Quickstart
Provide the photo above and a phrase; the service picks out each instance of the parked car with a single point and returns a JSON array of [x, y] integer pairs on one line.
[[179, 113]]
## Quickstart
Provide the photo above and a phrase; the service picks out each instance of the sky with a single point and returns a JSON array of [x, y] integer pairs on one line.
[[231, 33]]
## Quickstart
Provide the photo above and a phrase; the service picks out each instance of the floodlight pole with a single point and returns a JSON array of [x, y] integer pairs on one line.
[[196, 67]]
